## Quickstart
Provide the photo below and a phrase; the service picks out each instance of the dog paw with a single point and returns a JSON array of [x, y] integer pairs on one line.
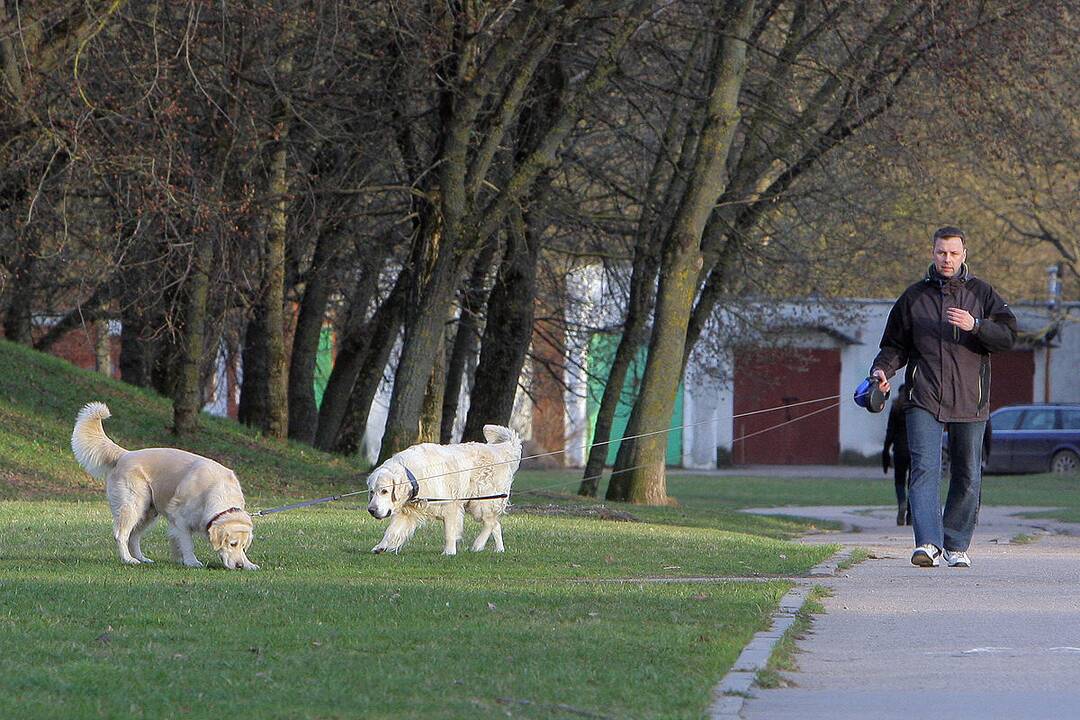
[[148, 561], [193, 564], [251, 566], [130, 561]]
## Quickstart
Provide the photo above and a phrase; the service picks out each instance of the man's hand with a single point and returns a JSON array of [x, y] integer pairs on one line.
[[885, 461], [883, 382], [960, 318]]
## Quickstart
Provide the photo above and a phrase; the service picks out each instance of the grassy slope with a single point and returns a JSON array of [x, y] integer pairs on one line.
[[40, 395], [562, 624]]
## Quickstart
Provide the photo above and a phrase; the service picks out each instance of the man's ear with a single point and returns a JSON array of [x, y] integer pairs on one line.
[[217, 537]]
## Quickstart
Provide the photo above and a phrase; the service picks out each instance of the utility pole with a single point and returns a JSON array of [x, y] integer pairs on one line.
[[1053, 292]]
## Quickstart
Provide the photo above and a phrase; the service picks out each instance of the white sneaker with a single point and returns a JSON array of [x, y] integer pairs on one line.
[[925, 556], [957, 558]]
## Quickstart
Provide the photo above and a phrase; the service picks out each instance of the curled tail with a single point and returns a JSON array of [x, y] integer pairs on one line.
[[92, 447], [499, 434]]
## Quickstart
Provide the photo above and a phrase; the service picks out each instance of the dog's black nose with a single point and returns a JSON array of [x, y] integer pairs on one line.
[[374, 514]]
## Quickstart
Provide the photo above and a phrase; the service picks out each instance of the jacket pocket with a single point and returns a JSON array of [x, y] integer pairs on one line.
[[984, 382]]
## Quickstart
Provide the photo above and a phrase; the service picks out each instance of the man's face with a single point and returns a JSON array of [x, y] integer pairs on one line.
[[949, 255]]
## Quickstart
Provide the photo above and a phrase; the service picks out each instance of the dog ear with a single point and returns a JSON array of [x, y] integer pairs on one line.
[[218, 537]]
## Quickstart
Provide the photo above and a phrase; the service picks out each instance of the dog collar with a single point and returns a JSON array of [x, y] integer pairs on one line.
[[414, 485], [223, 512]]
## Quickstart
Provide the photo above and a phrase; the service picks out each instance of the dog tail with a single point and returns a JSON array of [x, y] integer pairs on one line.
[[499, 434], [92, 447]]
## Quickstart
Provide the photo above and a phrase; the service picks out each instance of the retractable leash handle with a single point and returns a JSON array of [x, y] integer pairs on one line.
[[868, 395]]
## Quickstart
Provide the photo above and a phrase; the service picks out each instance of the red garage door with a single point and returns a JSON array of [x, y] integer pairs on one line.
[[770, 379], [1012, 378]]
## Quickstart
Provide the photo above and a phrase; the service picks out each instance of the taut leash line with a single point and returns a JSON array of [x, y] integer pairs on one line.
[[333, 498]]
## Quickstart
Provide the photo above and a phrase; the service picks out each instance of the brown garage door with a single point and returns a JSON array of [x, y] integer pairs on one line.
[[1012, 377], [768, 379]]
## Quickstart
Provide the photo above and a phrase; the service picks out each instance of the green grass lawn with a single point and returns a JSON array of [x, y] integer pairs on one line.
[[567, 623], [326, 629]]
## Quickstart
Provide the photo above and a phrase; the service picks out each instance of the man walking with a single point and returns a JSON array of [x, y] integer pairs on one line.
[[943, 330]]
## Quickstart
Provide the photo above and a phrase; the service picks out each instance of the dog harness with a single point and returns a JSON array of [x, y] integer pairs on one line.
[[415, 491]]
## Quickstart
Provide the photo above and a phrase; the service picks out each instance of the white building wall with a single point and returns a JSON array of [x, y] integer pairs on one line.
[[860, 432]]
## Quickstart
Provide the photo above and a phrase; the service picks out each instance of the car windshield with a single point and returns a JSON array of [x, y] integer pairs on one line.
[[1006, 419]]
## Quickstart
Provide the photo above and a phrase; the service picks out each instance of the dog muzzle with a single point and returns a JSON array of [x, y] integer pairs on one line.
[[869, 395]]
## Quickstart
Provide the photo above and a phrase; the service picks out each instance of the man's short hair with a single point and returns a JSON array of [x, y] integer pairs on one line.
[[950, 231]]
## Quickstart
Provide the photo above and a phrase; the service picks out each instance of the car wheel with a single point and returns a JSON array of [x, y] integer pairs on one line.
[[1065, 461]]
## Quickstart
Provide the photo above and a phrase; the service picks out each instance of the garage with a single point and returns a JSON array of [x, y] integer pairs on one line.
[[783, 379]]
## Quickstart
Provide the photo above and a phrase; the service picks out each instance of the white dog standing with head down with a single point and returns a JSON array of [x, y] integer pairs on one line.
[[429, 481], [194, 493]]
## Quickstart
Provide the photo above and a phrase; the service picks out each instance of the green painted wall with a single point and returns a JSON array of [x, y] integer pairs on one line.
[[324, 363], [601, 351]]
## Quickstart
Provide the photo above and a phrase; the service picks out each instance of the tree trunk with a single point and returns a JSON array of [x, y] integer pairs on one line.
[[507, 333], [187, 400], [362, 355], [277, 419], [350, 435], [642, 463], [431, 413], [18, 316], [303, 412], [103, 348], [136, 352], [435, 276], [466, 339], [252, 409], [662, 187]]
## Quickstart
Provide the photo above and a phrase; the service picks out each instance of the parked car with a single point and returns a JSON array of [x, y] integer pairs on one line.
[[1035, 438]]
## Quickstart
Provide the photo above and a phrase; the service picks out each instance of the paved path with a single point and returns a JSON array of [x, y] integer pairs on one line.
[[998, 640]]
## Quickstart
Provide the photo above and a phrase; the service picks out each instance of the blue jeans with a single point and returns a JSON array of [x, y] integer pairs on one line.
[[954, 530]]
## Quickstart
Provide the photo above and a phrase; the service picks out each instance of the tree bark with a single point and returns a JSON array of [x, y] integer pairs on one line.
[[641, 464], [431, 413], [662, 187], [453, 226], [254, 393], [507, 333], [466, 339], [434, 277], [303, 412], [276, 422], [187, 400], [358, 368], [102, 348], [136, 351], [18, 315]]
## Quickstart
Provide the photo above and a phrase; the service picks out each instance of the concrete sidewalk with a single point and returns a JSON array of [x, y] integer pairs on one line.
[[998, 640]]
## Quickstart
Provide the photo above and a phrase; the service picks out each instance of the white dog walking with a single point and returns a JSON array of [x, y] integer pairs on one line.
[[442, 481], [194, 493]]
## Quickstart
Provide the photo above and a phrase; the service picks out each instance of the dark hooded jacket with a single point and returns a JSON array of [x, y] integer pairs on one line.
[[948, 369]]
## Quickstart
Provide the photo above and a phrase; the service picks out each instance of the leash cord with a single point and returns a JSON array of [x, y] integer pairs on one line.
[[334, 498]]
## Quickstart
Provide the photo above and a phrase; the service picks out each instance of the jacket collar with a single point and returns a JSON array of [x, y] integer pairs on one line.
[[933, 276]]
